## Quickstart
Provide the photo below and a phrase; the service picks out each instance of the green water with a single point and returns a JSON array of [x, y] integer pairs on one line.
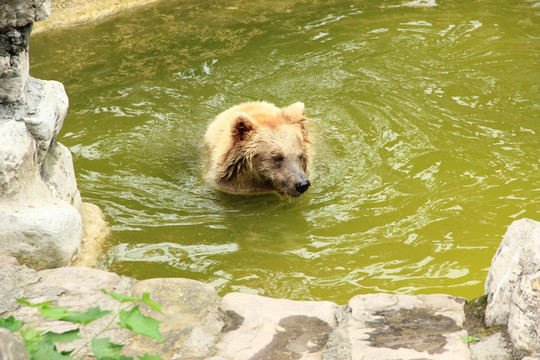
[[426, 123]]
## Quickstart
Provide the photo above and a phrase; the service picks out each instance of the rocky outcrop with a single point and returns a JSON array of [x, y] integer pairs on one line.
[[197, 324], [513, 285], [39, 219]]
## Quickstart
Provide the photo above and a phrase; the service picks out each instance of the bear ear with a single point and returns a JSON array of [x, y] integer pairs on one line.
[[242, 126], [294, 113]]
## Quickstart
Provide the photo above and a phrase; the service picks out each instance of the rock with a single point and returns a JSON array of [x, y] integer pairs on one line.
[[518, 256], [524, 319], [386, 326], [14, 280], [41, 237], [16, 19], [191, 319], [14, 62], [17, 164], [264, 328], [94, 234], [338, 346], [196, 324], [11, 347], [6, 260], [58, 173], [39, 221], [492, 347], [15, 13], [76, 289], [43, 113]]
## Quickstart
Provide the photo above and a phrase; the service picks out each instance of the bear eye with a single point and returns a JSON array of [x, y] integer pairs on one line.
[[278, 158]]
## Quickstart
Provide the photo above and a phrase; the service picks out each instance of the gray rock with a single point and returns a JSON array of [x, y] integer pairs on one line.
[[58, 173], [14, 63], [524, 319], [39, 220], [14, 279], [41, 237], [265, 328], [492, 347], [11, 347], [338, 346], [191, 321], [76, 289], [17, 164], [43, 113], [197, 325], [384, 326], [518, 255], [15, 13]]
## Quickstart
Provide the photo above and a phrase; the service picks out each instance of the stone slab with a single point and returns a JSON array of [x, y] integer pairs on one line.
[[265, 328], [384, 326]]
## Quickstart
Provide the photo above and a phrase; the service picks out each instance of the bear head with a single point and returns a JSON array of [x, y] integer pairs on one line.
[[270, 151]]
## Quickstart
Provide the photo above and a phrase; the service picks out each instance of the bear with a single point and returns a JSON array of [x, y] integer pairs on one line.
[[256, 147]]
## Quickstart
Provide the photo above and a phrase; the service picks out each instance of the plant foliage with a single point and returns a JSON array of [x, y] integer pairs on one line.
[[41, 344]]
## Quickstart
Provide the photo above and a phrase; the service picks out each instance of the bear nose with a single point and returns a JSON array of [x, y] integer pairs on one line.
[[302, 186]]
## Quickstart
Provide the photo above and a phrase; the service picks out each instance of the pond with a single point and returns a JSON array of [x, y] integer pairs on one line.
[[425, 117]]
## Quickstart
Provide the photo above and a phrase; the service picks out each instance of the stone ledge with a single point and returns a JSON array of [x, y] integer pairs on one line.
[[197, 324]]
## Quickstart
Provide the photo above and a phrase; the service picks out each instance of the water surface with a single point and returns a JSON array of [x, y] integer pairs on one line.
[[426, 123]]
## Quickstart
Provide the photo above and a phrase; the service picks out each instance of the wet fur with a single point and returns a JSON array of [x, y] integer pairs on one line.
[[246, 142]]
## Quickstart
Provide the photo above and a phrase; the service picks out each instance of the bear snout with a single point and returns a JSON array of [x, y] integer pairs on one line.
[[302, 186]]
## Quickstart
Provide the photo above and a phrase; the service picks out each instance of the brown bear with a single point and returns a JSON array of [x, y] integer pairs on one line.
[[256, 147]]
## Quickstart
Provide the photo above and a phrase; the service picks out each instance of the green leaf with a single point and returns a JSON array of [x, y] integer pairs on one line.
[[135, 321], [67, 336], [11, 324], [28, 303], [85, 318], [30, 335], [104, 349], [120, 297], [153, 305], [149, 357], [469, 339], [45, 351]]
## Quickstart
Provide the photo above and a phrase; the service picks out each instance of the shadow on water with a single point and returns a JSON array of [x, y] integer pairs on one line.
[[425, 121]]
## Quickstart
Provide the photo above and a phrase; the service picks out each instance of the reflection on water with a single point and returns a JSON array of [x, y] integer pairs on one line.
[[424, 113]]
